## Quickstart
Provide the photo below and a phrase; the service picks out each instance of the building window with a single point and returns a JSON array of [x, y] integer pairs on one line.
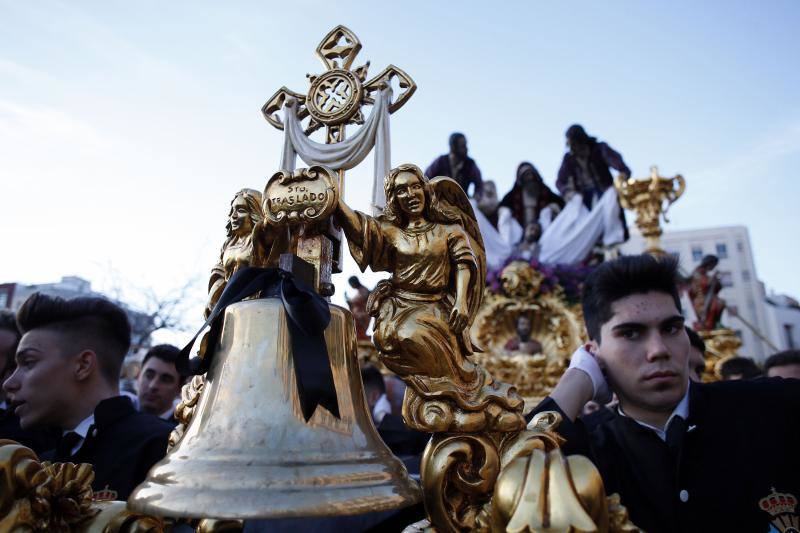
[[726, 279], [722, 250], [740, 246], [745, 275], [697, 253], [788, 330]]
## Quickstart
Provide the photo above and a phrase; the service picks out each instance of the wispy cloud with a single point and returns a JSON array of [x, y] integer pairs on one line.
[[22, 73], [25, 125], [771, 147]]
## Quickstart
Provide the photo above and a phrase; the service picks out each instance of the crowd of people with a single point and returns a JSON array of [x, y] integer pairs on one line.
[[531, 221], [632, 400]]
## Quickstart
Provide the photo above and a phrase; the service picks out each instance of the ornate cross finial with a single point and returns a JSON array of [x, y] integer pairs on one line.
[[335, 98]]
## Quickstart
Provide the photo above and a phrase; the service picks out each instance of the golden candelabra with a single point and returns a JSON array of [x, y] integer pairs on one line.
[[650, 199]]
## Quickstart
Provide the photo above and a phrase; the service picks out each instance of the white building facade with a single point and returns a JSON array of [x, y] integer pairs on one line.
[[741, 290], [783, 321]]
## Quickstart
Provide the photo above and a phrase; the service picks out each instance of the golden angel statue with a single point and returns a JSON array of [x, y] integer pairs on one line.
[[429, 240], [250, 242]]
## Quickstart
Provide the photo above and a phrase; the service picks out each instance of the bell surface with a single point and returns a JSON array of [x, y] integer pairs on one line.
[[249, 453]]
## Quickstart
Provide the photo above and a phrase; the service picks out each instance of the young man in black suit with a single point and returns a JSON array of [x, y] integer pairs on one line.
[[39, 440], [67, 377], [159, 382], [683, 456]]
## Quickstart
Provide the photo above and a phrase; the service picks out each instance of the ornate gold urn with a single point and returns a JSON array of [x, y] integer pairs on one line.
[[650, 199]]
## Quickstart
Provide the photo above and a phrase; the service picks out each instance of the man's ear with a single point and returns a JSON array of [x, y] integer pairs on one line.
[[85, 364], [592, 347]]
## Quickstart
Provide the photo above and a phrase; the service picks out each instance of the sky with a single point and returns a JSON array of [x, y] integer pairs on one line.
[[127, 127]]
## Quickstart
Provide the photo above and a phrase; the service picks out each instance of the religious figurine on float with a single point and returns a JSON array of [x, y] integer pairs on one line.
[[523, 342], [249, 242], [704, 288], [428, 238]]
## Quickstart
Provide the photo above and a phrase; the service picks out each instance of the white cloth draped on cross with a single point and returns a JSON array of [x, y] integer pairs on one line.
[[348, 153]]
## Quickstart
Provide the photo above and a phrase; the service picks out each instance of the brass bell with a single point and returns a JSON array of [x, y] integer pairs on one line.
[[248, 452]]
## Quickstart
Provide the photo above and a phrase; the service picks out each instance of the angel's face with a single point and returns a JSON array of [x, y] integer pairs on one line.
[[240, 217], [410, 193]]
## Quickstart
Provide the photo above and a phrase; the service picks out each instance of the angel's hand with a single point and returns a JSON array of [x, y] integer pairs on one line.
[[459, 316]]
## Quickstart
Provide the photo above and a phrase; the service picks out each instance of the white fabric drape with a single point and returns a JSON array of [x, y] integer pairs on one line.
[[348, 153], [499, 242], [574, 232], [568, 238]]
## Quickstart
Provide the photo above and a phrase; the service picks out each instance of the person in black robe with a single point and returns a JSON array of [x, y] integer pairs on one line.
[[530, 196], [458, 165]]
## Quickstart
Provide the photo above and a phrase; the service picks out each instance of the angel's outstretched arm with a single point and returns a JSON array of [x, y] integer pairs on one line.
[[350, 223]]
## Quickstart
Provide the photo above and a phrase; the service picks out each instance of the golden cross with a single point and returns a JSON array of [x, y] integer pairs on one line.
[[335, 98]]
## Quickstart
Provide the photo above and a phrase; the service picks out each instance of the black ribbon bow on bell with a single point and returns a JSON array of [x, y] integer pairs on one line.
[[309, 315]]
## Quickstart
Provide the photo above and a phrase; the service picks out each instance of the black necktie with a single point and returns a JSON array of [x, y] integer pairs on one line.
[[64, 448]]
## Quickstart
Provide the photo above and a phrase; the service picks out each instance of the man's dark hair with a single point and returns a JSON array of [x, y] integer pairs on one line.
[[354, 281], [373, 379], [709, 261], [166, 352], [87, 323], [695, 340], [743, 366], [455, 136], [614, 280], [8, 322], [576, 133], [788, 357]]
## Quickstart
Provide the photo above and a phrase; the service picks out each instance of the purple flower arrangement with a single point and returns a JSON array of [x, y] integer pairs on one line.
[[567, 276]]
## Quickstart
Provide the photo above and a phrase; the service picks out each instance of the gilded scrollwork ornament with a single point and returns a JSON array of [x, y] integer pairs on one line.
[[41, 496], [190, 395]]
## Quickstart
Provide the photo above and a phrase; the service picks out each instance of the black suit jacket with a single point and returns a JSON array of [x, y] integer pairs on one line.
[[122, 445], [741, 440], [401, 439]]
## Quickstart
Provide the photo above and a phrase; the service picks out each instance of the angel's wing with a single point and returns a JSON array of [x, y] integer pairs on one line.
[[452, 197]]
